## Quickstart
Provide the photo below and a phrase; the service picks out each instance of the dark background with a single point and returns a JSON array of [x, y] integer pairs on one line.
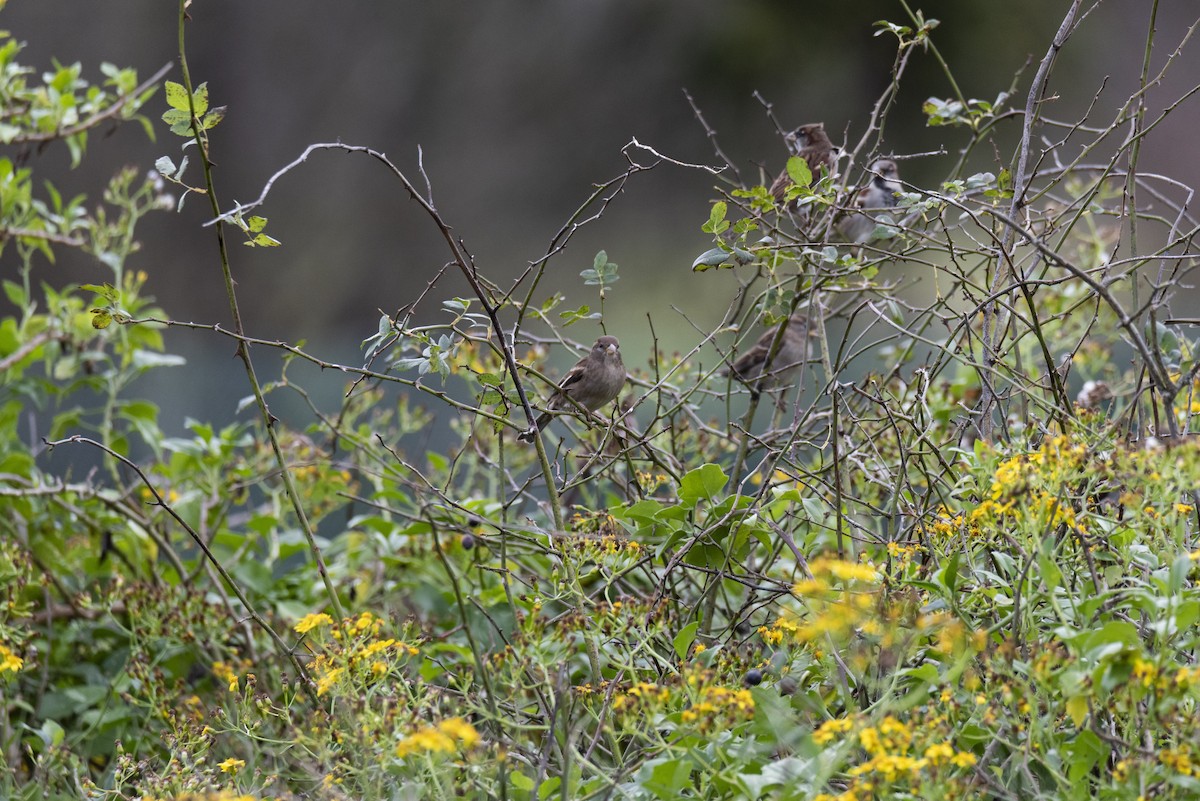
[[520, 107]]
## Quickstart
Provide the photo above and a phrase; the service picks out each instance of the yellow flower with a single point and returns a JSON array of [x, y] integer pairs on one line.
[[310, 622], [9, 660], [232, 765], [446, 737], [830, 728], [963, 759], [327, 681], [1145, 671], [846, 571], [939, 752], [377, 646], [460, 730]]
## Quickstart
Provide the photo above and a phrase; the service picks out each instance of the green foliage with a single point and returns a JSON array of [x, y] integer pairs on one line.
[[971, 113], [855, 599], [602, 273]]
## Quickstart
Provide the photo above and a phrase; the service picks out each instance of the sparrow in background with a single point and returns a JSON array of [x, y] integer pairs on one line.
[[751, 367], [878, 195], [594, 382], [811, 143]]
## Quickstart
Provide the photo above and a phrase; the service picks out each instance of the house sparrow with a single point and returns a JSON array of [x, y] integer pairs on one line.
[[1093, 394], [751, 367], [811, 143], [879, 194], [594, 382]]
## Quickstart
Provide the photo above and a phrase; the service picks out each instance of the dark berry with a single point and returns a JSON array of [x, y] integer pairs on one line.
[[753, 677], [468, 541]]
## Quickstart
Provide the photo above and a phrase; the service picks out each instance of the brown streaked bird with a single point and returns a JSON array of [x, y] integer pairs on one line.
[[811, 143], [751, 367], [880, 194], [594, 382]]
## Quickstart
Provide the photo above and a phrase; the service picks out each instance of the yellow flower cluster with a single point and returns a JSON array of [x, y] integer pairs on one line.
[[719, 704], [1179, 760], [643, 692], [830, 729], [9, 660], [649, 482], [1179, 682], [889, 746], [846, 571], [609, 545], [837, 618], [327, 678], [697, 696], [890, 735], [1028, 485], [448, 736], [363, 624], [332, 666], [946, 524], [607, 538], [903, 553], [312, 621]]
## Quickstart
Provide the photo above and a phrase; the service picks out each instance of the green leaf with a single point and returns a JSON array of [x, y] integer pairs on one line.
[[549, 787], [703, 482], [601, 272], [213, 118], [719, 257], [1085, 750], [200, 99], [667, 779], [180, 121], [177, 97], [1077, 708], [798, 170], [52, 733], [572, 316], [106, 291], [684, 639], [15, 293], [716, 219]]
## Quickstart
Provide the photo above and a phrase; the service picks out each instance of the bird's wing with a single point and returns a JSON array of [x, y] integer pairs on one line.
[[573, 375]]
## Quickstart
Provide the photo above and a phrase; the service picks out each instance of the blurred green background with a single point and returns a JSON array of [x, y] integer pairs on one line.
[[520, 107]]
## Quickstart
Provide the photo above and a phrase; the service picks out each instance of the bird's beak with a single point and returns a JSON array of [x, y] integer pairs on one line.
[[612, 350]]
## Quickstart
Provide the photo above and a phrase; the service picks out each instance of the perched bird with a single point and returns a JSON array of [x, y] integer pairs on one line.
[[751, 367], [811, 143], [594, 382], [1093, 394], [878, 195]]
